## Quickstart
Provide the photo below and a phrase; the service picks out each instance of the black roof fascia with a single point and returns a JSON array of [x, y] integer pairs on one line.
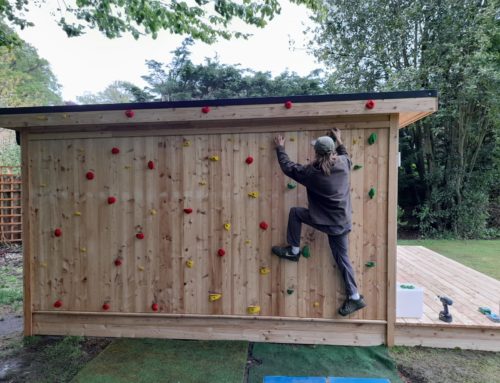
[[219, 102]]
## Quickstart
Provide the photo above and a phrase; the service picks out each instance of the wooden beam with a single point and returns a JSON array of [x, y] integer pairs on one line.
[[233, 113]]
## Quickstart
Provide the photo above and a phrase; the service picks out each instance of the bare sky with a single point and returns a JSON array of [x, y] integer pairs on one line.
[[91, 62]]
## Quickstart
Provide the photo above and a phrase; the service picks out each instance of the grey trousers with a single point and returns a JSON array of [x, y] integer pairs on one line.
[[339, 244]]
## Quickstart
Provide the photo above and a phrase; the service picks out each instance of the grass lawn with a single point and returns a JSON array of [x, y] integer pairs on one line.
[[480, 255]]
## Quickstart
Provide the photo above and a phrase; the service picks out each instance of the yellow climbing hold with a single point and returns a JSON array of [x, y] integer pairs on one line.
[[152, 212], [262, 147], [292, 139], [214, 158], [227, 226], [253, 309], [253, 194], [186, 143], [190, 263], [316, 304], [141, 268], [65, 115], [43, 264], [354, 141], [42, 118], [83, 249], [77, 213], [202, 183], [212, 297], [43, 185], [127, 167], [264, 270], [248, 241]]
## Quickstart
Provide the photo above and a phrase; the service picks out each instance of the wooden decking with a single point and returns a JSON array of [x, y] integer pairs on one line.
[[469, 289]]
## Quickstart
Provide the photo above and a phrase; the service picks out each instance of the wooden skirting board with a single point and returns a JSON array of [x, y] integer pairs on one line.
[[279, 330], [486, 339]]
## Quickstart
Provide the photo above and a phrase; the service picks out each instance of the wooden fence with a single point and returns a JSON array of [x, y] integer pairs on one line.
[[10, 204]]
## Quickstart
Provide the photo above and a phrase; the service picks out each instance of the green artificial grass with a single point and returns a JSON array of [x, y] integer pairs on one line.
[[302, 360], [480, 255], [167, 361]]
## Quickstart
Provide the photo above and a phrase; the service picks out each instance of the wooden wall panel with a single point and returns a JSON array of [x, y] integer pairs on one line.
[[79, 267]]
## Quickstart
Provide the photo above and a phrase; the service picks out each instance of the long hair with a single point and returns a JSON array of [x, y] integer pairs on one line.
[[325, 162]]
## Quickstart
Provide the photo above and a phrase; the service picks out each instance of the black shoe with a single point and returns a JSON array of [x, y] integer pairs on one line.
[[352, 305], [285, 253]]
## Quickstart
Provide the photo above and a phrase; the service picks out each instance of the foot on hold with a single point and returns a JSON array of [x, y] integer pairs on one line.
[[352, 305], [285, 252]]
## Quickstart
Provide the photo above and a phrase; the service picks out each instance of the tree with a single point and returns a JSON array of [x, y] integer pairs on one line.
[[25, 78], [203, 20], [449, 45], [115, 93]]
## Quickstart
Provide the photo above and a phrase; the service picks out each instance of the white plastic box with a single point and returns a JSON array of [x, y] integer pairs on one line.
[[409, 302]]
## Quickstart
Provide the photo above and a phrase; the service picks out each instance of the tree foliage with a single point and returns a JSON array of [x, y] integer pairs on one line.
[[448, 174], [205, 20]]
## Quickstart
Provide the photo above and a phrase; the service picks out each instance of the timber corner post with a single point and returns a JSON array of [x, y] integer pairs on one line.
[[119, 200]]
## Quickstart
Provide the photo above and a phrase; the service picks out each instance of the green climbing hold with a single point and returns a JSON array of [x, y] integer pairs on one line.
[[408, 287], [372, 193], [370, 264], [372, 138], [485, 310], [289, 291], [357, 167], [291, 185], [306, 252]]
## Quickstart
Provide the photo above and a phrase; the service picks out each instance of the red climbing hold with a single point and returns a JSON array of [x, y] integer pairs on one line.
[[105, 306], [90, 175], [139, 235], [205, 109], [58, 303], [115, 150], [370, 104], [57, 232], [288, 105], [249, 160], [151, 164], [263, 225], [154, 307], [188, 210], [221, 252], [129, 113], [111, 200], [118, 262]]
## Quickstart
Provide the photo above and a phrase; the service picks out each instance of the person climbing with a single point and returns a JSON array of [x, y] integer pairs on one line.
[[327, 184]]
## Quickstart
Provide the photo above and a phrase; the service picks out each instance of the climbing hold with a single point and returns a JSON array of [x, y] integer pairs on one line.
[[43, 185], [484, 310], [152, 211], [291, 185], [139, 235], [316, 304], [90, 175], [43, 264], [248, 241], [263, 225], [58, 303], [127, 167], [140, 268], [151, 165], [289, 291], [370, 104], [111, 200], [83, 249], [186, 143], [188, 210], [227, 226], [253, 309], [105, 306], [202, 183], [354, 141], [42, 118], [357, 167], [221, 252], [205, 109], [115, 150], [253, 194], [262, 148], [264, 270], [77, 213], [249, 160], [214, 158], [118, 262], [292, 139], [306, 251], [407, 287], [212, 297], [155, 307], [190, 263], [288, 104], [57, 232], [129, 113], [371, 264], [493, 317], [372, 138], [372, 193]]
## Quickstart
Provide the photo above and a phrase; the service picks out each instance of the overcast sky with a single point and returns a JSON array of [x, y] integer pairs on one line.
[[91, 62]]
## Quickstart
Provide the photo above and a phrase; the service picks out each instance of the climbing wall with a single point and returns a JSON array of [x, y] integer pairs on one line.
[[185, 224]]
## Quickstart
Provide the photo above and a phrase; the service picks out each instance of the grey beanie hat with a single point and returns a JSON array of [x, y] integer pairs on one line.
[[324, 145]]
